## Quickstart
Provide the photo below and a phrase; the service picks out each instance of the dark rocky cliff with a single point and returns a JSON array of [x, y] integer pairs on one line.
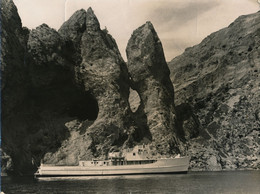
[[219, 80], [13, 91], [66, 94], [102, 73]]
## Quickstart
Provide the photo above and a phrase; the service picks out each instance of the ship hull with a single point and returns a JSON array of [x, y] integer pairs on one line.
[[162, 166], [116, 174]]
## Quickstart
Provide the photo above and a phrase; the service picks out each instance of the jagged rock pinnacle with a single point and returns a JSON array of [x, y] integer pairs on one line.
[[74, 27], [92, 22], [145, 57], [146, 40]]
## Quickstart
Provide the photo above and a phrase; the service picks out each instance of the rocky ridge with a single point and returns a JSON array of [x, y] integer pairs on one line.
[[219, 79]]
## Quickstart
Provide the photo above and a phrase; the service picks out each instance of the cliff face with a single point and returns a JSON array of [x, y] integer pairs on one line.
[[101, 72], [38, 91], [13, 46], [67, 95], [66, 92], [60, 90], [219, 79], [13, 91]]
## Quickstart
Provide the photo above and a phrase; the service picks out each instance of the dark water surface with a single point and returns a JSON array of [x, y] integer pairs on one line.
[[193, 182]]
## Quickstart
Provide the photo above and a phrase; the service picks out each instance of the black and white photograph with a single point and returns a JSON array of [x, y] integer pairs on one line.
[[130, 96]]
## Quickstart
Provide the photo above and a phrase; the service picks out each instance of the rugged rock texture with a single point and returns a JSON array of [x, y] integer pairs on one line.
[[13, 46], [70, 100], [65, 94], [72, 31], [150, 78], [56, 95], [103, 73], [36, 105], [13, 91], [219, 79]]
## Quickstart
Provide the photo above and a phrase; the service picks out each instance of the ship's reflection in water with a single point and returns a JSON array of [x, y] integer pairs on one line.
[[193, 182]]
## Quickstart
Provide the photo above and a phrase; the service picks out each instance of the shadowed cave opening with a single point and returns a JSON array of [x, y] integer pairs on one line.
[[85, 106], [42, 118], [65, 99]]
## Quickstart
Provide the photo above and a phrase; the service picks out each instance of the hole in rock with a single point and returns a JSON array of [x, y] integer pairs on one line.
[[134, 100]]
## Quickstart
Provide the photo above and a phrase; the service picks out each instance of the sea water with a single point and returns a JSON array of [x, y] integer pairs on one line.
[[193, 182]]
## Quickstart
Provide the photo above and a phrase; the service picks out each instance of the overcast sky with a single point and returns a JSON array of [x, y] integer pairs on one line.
[[179, 23]]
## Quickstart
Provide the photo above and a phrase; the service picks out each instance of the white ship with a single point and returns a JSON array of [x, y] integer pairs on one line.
[[130, 162]]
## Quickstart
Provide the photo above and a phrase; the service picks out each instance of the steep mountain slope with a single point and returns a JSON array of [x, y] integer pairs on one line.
[[219, 79]]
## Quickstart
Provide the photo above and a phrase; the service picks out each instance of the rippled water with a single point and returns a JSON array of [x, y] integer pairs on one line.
[[193, 182]]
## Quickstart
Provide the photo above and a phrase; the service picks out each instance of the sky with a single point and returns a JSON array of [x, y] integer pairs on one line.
[[178, 23]]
